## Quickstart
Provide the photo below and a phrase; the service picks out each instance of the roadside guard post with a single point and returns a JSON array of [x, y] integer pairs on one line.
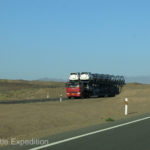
[[61, 98], [47, 96], [126, 106]]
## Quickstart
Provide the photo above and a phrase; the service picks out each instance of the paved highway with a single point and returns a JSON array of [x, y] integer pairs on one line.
[[130, 137], [130, 134]]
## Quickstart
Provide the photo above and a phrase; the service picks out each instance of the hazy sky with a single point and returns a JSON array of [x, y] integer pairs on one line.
[[51, 38]]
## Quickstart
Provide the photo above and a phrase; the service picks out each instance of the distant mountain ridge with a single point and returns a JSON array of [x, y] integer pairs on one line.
[[138, 79]]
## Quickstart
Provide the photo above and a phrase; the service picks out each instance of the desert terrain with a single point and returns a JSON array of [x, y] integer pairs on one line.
[[36, 120]]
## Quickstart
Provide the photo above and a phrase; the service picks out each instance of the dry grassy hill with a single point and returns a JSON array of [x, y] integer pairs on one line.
[[135, 91], [21, 89]]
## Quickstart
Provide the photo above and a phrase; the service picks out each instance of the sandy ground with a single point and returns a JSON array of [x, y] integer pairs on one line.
[[26, 121]]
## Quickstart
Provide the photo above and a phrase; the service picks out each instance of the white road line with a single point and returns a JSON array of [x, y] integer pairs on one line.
[[87, 134]]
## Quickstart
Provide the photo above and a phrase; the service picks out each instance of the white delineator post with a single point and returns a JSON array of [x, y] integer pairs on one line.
[[61, 98], [126, 106], [47, 96]]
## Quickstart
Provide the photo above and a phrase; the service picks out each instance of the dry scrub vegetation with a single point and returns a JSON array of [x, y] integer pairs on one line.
[[47, 118], [20, 89]]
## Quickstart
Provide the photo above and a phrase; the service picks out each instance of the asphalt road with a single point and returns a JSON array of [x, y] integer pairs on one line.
[[131, 137], [118, 135]]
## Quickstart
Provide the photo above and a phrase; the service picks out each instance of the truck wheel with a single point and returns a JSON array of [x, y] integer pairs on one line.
[[82, 96]]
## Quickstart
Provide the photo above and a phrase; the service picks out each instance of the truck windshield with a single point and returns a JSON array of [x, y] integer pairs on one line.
[[72, 85]]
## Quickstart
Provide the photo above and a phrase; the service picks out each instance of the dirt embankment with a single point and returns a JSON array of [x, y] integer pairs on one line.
[[43, 119]]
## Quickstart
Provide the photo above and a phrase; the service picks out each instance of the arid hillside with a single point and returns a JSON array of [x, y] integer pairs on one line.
[[20, 89]]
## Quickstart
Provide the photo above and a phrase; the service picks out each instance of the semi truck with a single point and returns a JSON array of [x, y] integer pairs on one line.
[[86, 84]]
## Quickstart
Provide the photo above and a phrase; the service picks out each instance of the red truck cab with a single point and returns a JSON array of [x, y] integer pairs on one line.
[[73, 89]]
